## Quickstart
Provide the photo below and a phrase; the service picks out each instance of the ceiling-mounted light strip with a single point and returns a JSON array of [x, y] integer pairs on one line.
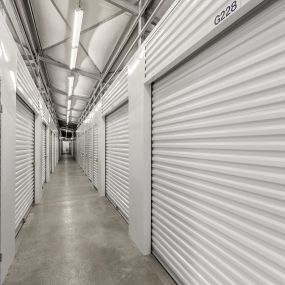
[[73, 58], [78, 17], [70, 85], [68, 104]]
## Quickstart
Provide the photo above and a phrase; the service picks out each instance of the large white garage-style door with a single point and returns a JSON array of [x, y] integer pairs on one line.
[[44, 156], [86, 164], [218, 160], [117, 159], [25, 152], [95, 156]]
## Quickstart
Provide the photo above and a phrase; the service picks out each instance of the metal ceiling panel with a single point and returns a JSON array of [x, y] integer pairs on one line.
[[48, 21], [100, 42], [100, 11], [83, 86], [62, 52]]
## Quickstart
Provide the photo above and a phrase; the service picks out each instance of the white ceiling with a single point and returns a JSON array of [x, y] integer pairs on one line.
[[54, 20]]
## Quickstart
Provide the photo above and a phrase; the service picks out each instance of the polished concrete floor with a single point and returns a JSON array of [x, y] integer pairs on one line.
[[76, 237]]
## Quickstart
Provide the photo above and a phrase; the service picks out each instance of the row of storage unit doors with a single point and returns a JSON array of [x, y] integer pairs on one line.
[[218, 161], [117, 158], [25, 160], [88, 152]]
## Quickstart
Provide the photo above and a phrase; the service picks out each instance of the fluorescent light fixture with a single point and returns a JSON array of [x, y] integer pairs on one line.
[[78, 17], [68, 104], [67, 114], [73, 58], [4, 52], [70, 85]]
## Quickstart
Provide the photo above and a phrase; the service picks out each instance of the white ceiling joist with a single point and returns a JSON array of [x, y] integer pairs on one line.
[[65, 66], [86, 30], [125, 6], [54, 89]]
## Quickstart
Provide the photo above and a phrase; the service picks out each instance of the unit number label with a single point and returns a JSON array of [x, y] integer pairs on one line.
[[232, 7]]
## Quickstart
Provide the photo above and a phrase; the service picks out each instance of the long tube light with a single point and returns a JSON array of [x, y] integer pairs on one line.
[[78, 17], [70, 85], [68, 105]]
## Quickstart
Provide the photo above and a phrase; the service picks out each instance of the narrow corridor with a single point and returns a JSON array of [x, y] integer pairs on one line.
[[76, 237]]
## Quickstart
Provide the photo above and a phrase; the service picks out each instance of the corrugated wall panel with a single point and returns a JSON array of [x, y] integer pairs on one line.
[[95, 156], [116, 94], [186, 23], [117, 159], [90, 155], [218, 199], [25, 83], [25, 146], [43, 154]]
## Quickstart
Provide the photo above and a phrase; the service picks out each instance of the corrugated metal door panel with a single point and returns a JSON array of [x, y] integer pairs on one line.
[[95, 156], [86, 164], [43, 154], [50, 152], [218, 160], [82, 151], [25, 140], [90, 155], [117, 159], [188, 23]]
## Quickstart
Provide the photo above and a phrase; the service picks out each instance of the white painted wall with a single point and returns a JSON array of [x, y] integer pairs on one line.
[[8, 144], [139, 154], [10, 61]]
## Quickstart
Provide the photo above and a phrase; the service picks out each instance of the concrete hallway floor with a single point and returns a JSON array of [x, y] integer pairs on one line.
[[76, 237]]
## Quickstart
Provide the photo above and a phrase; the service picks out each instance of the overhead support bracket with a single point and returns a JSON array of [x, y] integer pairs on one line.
[[54, 89], [63, 106], [125, 6], [66, 67]]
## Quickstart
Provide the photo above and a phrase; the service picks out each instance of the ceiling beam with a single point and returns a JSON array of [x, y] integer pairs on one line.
[[66, 67], [64, 115], [54, 89], [62, 106], [69, 27], [86, 30], [125, 6]]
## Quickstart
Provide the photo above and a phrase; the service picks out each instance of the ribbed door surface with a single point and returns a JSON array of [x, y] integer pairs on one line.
[[90, 154], [95, 156], [218, 163], [86, 164], [50, 152], [117, 159], [43, 154], [25, 145]]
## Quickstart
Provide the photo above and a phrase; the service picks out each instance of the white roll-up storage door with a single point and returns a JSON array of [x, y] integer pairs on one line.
[[25, 152], [50, 152], [43, 154], [86, 164], [117, 159], [218, 160], [95, 156], [90, 154]]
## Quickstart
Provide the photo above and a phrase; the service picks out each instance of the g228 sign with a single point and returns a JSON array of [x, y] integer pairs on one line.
[[226, 12]]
